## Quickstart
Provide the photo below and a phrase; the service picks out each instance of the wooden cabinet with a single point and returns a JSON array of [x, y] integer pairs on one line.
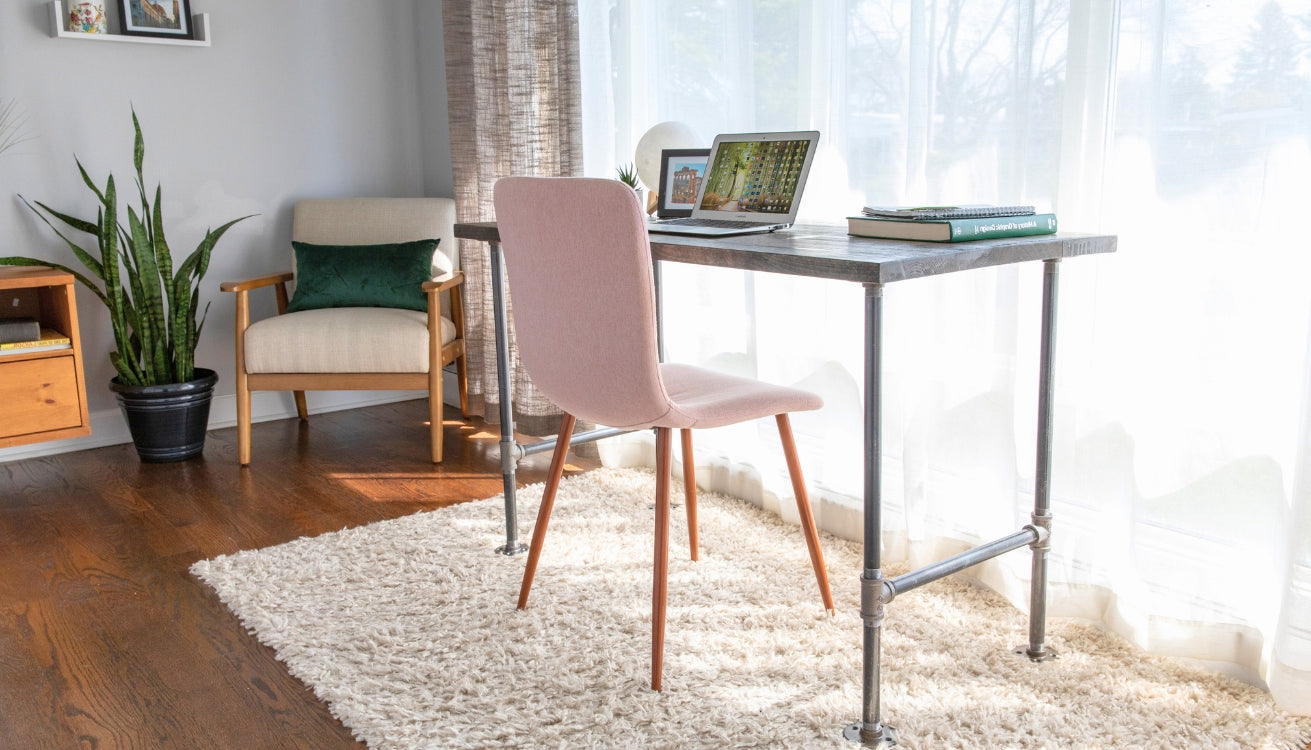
[[42, 394]]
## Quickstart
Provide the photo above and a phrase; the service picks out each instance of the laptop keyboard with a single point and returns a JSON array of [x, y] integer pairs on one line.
[[724, 223]]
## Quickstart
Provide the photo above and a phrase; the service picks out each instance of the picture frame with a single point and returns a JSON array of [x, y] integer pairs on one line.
[[161, 19], [679, 167]]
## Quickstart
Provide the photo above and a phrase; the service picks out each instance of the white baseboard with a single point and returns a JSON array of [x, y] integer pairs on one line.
[[109, 428]]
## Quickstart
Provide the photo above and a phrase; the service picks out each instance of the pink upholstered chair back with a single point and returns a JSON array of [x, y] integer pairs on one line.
[[578, 265]]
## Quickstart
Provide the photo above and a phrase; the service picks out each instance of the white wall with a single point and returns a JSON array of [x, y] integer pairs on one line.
[[294, 98], [433, 116]]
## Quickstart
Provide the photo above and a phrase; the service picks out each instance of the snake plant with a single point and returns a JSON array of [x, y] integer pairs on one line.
[[152, 305]]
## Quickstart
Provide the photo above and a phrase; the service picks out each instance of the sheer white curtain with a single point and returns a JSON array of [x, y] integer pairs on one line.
[[1182, 477]]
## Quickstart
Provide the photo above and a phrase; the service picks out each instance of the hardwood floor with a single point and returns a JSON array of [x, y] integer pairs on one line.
[[106, 641]]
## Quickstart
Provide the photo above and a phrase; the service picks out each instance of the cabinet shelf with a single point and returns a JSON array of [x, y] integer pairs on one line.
[[43, 393], [199, 25]]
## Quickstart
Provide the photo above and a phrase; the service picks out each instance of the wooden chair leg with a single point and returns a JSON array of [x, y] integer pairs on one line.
[[660, 583], [302, 410], [243, 417], [803, 508], [462, 384], [544, 511], [461, 361], [689, 492], [435, 408], [243, 384]]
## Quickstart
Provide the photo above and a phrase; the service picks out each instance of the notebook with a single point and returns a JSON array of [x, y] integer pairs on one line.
[[753, 183]]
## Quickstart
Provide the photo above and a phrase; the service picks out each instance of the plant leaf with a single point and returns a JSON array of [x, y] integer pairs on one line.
[[81, 225], [197, 263], [146, 287], [138, 145], [89, 182], [125, 373], [122, 316], [87, 259], [18, 260]]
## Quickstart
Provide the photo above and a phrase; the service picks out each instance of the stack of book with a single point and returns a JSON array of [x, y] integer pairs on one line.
[[26, 336], [950, 223]]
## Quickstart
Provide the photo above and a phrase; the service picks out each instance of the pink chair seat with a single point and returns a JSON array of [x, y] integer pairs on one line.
[[705, 398]]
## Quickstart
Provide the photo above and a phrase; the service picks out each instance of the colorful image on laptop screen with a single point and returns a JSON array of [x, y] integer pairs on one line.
[[754, 177]]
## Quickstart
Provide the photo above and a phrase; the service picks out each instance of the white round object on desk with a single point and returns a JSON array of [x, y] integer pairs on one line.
[[661, 136]]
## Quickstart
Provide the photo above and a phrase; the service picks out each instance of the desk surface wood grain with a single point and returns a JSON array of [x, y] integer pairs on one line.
[[827, 251]]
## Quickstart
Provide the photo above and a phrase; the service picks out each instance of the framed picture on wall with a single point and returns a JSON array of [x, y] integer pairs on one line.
[[681, 172], [164, 19]]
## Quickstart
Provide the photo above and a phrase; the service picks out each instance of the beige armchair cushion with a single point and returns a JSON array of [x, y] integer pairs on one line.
[[344, 339]]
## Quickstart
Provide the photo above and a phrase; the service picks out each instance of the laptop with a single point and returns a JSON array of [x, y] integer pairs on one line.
[[753, 183]]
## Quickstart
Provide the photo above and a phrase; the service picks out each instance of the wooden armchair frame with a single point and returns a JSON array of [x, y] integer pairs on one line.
[[439, 356]]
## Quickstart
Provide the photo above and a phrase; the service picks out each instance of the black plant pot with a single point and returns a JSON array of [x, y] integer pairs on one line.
[[167, 422]]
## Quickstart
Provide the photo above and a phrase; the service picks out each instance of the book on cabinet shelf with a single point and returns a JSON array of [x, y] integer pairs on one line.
[[951, 230], [19, 329], [50, 340]]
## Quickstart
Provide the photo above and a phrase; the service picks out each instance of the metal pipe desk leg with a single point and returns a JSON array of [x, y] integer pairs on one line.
[[1042, 516], [509, 449], [870, 730]]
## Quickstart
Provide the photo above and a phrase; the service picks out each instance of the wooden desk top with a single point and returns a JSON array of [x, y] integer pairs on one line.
[[827, 251]]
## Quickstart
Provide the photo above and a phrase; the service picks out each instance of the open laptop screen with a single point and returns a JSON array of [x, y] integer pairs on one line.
[[760, 175]]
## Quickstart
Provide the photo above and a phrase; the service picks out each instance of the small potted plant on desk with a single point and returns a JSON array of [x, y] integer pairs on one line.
[[153, 307], [628, 175]]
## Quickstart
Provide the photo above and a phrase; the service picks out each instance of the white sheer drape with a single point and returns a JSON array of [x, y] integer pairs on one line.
[[1182, 477]]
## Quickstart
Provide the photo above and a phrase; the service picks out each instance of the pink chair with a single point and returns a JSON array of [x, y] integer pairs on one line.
[[579, 268]]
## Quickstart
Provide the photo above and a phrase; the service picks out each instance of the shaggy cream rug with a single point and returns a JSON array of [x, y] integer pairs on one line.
[[408, 630]]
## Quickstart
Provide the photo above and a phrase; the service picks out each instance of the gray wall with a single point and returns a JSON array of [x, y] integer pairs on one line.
[[294, 98]]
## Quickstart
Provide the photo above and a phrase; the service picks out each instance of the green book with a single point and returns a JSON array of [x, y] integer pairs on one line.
[[952, 230]]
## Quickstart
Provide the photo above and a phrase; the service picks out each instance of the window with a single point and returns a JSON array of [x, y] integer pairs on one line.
[[1183, 383]]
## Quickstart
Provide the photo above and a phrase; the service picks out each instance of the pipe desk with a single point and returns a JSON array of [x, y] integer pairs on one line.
[[827, 251]]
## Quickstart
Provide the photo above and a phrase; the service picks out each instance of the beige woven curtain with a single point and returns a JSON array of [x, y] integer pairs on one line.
[[515, 109]]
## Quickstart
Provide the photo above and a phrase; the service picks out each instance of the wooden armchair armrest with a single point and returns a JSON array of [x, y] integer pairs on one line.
[[242, 288], [433, 289], [248, 284], [450, 282]]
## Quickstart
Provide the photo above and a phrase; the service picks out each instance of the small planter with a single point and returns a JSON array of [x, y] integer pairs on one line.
[[167, 422]]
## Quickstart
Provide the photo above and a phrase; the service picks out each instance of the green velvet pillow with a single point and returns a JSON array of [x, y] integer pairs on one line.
[[362, 275]]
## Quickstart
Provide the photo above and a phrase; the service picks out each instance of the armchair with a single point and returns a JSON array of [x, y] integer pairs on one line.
[[356, 347]]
